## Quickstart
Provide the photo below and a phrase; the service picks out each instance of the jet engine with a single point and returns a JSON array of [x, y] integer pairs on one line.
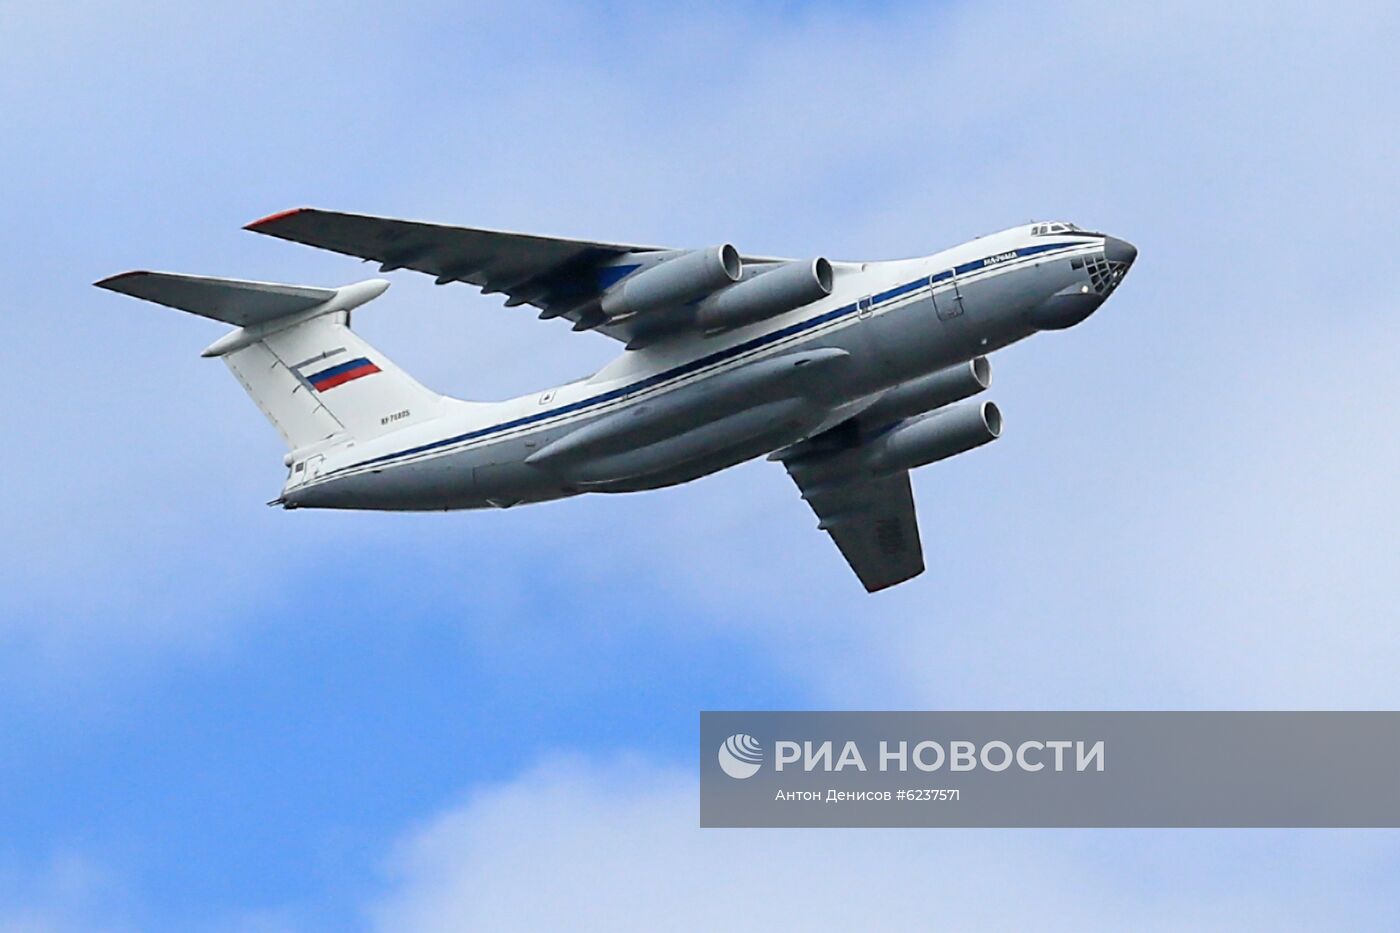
[[771, 292], [675, 281], [926, 393], [936, 436]]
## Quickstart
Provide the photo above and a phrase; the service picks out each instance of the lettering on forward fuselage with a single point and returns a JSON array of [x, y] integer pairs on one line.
[[999, 257]]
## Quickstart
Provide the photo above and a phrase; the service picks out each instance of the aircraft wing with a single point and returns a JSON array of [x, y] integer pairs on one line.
[[561, 277], [233, 301], [871, 519]]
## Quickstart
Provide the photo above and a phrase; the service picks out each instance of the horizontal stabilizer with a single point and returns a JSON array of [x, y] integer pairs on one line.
[[230, 300]]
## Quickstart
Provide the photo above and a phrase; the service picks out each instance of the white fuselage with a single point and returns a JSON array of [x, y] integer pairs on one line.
[[694, 404]]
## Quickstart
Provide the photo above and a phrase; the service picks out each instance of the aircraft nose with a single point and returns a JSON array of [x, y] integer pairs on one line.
[[1089, 289], [1116, 250]]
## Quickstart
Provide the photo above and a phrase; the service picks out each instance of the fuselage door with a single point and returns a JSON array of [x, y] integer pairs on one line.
[[304, 471], [947, 298]]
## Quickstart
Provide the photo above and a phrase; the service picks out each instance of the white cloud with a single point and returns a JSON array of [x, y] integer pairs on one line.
[[615, 845], [66, 893]]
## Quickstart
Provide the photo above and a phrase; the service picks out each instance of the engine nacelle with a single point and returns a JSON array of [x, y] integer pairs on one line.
[[675, 281], [937, 436], [929, 392], [770, 293]]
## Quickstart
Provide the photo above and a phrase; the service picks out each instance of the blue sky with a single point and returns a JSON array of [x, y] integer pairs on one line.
[[218, 716]]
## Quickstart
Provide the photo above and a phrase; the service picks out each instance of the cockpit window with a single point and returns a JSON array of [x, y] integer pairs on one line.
[[1054, 227]]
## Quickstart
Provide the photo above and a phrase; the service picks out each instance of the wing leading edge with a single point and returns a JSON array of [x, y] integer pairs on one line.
[[561, 277]]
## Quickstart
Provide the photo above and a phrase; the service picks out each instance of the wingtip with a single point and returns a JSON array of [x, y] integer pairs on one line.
[[273, 218], [111, 280], [875, 586]]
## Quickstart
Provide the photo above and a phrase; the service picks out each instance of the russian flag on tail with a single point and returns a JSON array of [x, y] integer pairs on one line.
[[328, 379]]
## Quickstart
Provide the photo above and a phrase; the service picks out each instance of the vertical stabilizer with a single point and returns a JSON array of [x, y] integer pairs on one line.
[[318, 379]]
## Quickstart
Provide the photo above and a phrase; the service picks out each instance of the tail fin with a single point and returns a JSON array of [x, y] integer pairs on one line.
[[295, 354]]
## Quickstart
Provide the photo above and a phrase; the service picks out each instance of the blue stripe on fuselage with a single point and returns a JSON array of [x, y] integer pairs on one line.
[[686, 369]]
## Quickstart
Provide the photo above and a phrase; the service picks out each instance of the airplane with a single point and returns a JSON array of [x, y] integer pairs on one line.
[[849, 374]]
